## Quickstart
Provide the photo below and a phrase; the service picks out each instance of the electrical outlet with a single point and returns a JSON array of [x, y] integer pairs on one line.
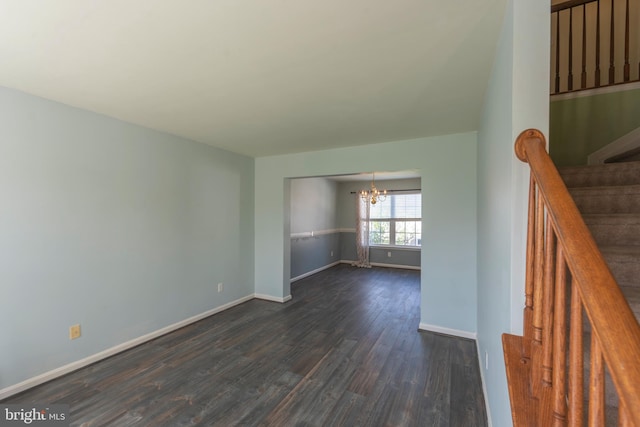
[[486, 360], [220, 287], [331, 253], [389, 254], [74, 331]]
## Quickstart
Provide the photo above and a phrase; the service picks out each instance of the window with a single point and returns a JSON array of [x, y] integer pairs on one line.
[[397, 221]]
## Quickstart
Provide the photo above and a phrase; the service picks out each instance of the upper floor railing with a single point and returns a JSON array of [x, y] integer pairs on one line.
[[594, 43]]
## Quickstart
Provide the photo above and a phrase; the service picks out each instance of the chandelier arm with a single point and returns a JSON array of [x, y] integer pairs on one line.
[[373, 195]]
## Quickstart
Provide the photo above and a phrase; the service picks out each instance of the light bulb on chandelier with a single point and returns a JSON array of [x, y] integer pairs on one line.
[[373, 195]]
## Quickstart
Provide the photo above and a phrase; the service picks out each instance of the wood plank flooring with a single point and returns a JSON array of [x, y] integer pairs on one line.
[[345, 351]]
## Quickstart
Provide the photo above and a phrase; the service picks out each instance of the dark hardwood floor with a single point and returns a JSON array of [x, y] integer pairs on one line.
[[345, 351]]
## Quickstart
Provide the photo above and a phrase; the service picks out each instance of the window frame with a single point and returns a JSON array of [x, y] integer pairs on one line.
[[392, 221]]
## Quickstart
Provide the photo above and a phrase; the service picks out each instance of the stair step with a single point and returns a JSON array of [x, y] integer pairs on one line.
[[608, 196], [612, 199], [614, 229], [599, 175], [623, 261]]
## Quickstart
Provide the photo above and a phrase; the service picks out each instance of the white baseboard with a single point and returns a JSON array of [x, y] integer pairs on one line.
[[596, 91], [406, 267], [484, 386], [55, 373], [272, 298], [448, 331], [312, 272], [379, 264]]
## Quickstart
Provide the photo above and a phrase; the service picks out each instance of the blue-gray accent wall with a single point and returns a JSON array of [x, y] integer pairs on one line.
[[313, 253]]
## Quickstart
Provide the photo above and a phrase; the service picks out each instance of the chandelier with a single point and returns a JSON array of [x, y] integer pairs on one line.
[[373, 195]]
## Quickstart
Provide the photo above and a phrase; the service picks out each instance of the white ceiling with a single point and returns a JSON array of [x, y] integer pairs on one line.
[[259, 77]]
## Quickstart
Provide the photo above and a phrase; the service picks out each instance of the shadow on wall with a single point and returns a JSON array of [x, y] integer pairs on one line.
[[581, 125]]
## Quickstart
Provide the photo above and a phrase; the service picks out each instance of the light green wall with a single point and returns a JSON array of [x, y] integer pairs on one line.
[[516, 99], [116, 227], [448, 168], [580, 126]]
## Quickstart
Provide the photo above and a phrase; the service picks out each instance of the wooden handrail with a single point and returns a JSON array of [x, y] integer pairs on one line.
[[569, 4], [615, 330]]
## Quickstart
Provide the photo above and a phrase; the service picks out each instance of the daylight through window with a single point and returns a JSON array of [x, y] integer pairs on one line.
[[397, 221]]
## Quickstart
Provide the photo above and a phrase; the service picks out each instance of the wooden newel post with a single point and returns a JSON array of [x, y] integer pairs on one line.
[[525, 135]]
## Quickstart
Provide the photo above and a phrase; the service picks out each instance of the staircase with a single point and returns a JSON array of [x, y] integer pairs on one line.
[[568, 281], [608, 196]]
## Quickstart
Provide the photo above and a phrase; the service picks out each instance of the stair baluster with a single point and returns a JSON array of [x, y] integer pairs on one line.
[[583, 27]]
